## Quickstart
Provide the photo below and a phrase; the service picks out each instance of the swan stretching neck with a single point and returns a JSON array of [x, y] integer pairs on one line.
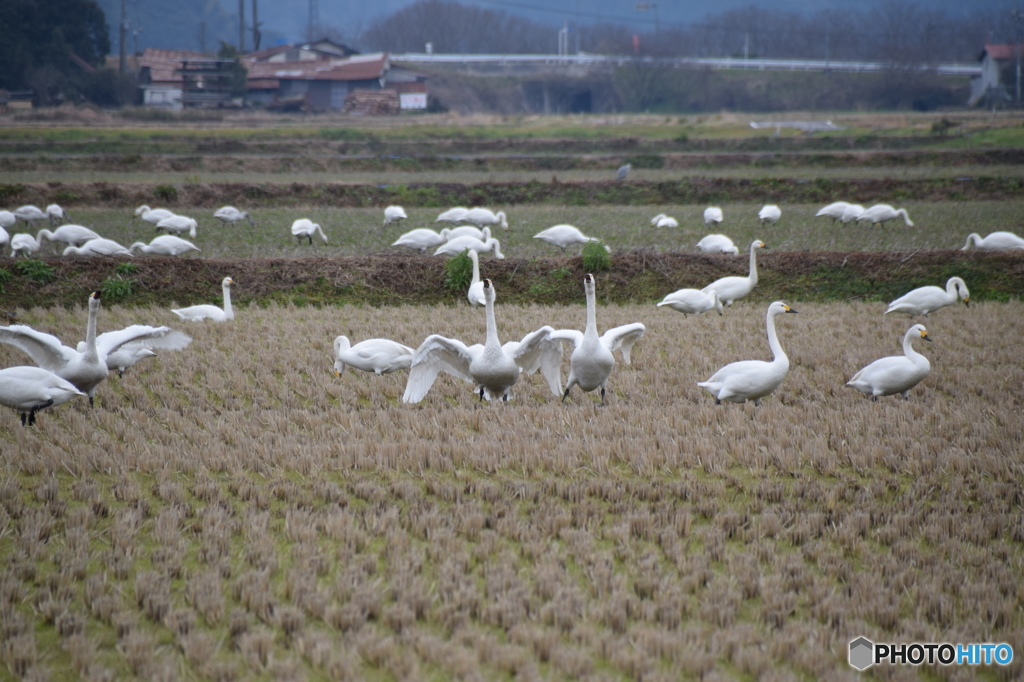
[[745, 380], [895, 374]]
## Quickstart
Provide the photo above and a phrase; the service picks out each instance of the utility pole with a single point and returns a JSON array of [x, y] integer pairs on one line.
[[123, 35], [314, 19], [241, 26], [255, 28], [1016, 14]]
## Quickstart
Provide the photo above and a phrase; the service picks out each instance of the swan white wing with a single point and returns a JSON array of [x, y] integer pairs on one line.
[[200, 312], [623, 337], [573, 336], [747, 379], [436, 354], [45, 350], [538, 350], [141, 336]]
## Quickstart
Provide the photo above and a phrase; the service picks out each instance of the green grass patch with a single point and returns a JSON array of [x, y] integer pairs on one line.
[[36, 270], [596, 257], [458, 272]]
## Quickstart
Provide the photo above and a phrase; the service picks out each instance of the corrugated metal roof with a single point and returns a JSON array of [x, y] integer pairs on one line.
[[162, 64], [336, 70]]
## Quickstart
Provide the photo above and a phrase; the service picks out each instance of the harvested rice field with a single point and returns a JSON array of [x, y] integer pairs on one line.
[[235, 511]]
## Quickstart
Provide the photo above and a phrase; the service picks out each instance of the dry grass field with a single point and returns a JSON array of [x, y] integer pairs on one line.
[[234, 511]]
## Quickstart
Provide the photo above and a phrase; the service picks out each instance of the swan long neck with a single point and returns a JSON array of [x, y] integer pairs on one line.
[[773, 340], [90, 329], [953, 289], [908, 346], [591, 328], [473, 256], [753, 264], [492, 326], [227, 300], [972, 237], [43, 233]]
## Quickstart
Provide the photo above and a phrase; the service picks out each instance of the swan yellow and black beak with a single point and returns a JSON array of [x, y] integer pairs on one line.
[[967, 301], [788, 309], [924, 335], [95, 295]]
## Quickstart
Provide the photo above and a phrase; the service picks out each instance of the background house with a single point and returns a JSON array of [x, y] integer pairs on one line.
[[159, 77], [998, 79], [320, 76]]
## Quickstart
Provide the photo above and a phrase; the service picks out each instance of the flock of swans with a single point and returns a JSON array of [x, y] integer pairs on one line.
[[64, 372], [492, 367]]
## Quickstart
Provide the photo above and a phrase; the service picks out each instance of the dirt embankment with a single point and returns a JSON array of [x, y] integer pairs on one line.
[[685, 191], [633, 277]]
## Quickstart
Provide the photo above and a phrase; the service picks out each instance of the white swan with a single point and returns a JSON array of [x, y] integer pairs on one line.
[[57, 214], [165, 245], [210, 312], [732, 288], [482, 216], [770, 213], [662, 220], [380, 356], [995, 241], [30, 214], [152, 215], [623, 172], [422, 239], [476, 285], [883, 213], [453, 247], [717, 243], [712, 216], [851, 213], [87, 369], [30, 389], [98, 247], [304, 227], [834, 210], [178, 224], [72, 235], [394, 214], [7, 219], [23, 245], [124, 357], [592, 361], [693, 301], [895, 374], [924, 300], [469, 231], [4, 237], [565, 235], [493, 368], [745, 380], [453, 215], [230, 214]]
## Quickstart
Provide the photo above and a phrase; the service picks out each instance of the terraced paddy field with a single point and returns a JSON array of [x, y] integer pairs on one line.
[[236, 511]]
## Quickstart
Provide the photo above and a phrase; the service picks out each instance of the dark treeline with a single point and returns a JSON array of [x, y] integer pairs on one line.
[[897, 32]]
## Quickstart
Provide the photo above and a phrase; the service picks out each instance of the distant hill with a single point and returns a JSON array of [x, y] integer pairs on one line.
[[178, 24]]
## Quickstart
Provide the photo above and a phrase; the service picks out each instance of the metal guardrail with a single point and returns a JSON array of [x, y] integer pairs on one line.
[[954, 69]]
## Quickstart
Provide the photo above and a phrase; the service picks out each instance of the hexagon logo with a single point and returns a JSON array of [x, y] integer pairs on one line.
[[862, 653]]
